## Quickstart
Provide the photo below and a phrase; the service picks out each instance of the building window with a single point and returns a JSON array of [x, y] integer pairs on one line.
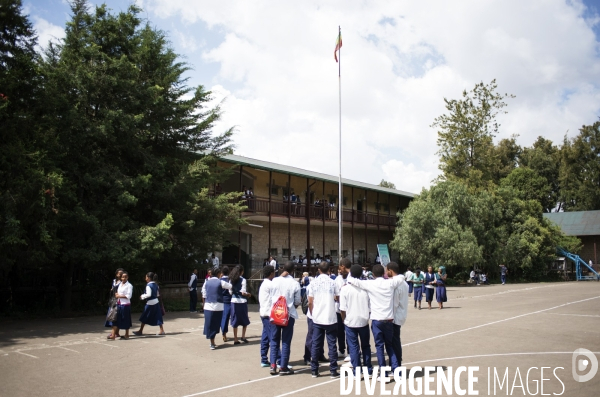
[[344, 253], [273, 252], [285, 252], [333, 253]]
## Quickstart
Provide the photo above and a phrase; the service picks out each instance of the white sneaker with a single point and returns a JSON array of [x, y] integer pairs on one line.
[[388, 379], [289, 366], [347, 359], [348, 364]]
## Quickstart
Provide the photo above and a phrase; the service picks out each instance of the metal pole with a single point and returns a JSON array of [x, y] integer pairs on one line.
[[352, 224], [340, 209], [308, 226], [270, 181], [289, 196]]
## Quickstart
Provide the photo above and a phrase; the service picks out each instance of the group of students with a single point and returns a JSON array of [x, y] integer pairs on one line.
[[426, 284], [120, 301], [225, 301], [339, 310]]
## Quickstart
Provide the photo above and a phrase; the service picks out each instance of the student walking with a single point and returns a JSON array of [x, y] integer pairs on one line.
[[417, 279], [503, 273], [408, 278], [355, 309], [152, 314], [264, 300], [123, 295], [322, 306], [288, 287], [440, 289], [212, 299], [112, 300], [381, 298], [429, 285], [193, 289], [400, 312], [226, 303], [239, 304]]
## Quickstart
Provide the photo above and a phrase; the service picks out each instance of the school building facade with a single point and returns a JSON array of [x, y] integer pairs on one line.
[[284, 228]]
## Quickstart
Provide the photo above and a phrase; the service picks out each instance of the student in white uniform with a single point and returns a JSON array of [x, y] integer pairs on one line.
[[264, 300], [322, 297], [400, 312], [355, 310], [381, 298], [340, 281]]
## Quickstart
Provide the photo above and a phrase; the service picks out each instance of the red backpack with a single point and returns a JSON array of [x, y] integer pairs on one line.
[[279, 313]]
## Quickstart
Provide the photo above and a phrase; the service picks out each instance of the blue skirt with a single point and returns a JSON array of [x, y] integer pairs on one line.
[[152, 315], [440, 293], [410, 287], [429, 294], [212, 323], [225, 319], [419, 293], [239, 314], [123, 317]]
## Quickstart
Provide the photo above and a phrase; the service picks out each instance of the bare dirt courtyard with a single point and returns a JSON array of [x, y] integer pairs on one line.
[[510, 328]]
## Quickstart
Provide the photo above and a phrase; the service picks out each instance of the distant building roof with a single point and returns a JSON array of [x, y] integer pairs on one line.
[[265, 165], [577, 223]]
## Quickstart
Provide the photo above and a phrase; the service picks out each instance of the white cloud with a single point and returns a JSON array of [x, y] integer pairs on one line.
[[47, 31], [399, 60]]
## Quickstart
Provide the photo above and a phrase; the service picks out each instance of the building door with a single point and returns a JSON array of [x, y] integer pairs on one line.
[[361, 257]]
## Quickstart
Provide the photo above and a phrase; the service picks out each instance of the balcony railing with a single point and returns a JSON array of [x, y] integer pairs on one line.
[[260, 205]]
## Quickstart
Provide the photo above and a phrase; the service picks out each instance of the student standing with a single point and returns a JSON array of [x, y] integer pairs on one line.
[[152, 314], [226, 304], [193, 289], [239, 304], [212, 299], [400, 312], [417, 279], [408, 278], [381, 299], [288, 287], [440, 289], [322, 306], [123, 295], [340, 281], [355, 310], [430, 285], [264, 300], [503, 273]]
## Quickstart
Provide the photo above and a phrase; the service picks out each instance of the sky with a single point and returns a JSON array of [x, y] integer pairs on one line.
[[270, 65]]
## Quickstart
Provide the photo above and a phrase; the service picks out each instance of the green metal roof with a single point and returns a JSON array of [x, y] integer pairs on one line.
[[285, 169], [577, 223]]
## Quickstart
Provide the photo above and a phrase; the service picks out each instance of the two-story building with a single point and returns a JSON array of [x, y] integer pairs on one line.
[[293, 212]]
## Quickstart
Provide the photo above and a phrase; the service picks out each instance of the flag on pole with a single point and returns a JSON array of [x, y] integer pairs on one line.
[[338, 45]]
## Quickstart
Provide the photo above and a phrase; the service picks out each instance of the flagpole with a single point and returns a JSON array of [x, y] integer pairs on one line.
[[340, 196]]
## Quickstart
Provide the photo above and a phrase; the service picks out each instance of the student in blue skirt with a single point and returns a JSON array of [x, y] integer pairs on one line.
[[440, 289], [430, 285], [226, 304], [417, 279], [212, 300], [123, 295], [239, 304], [152, 314], [115, 285]]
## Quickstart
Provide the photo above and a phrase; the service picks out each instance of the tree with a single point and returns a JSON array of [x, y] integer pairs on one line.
[[544, 158], [134, 147], [466, 132], [506, 156], [387, 184], [580, 170]]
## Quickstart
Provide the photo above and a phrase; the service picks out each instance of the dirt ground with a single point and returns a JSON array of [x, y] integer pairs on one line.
[[513, 329]]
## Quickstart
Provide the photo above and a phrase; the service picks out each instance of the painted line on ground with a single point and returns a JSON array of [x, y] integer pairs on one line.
[[104, 344], [498, 321], [25, 354], [66, 348], [248, 382], [577, 315], [436, 360], [509, 291]]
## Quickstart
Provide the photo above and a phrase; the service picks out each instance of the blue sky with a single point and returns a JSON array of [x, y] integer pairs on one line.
[[270, 64]]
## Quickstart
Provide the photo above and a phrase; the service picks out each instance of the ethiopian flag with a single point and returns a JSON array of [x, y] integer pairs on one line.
[[338, 45]]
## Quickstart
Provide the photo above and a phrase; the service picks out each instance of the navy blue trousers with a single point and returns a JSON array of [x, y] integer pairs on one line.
[[396, 357], [383, 332], [341, 333], [193, 300], [283, 335], [359, 340], [319, 334], [308, 341]]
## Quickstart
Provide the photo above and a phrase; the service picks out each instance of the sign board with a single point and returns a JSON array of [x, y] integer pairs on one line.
[[384, 254]]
